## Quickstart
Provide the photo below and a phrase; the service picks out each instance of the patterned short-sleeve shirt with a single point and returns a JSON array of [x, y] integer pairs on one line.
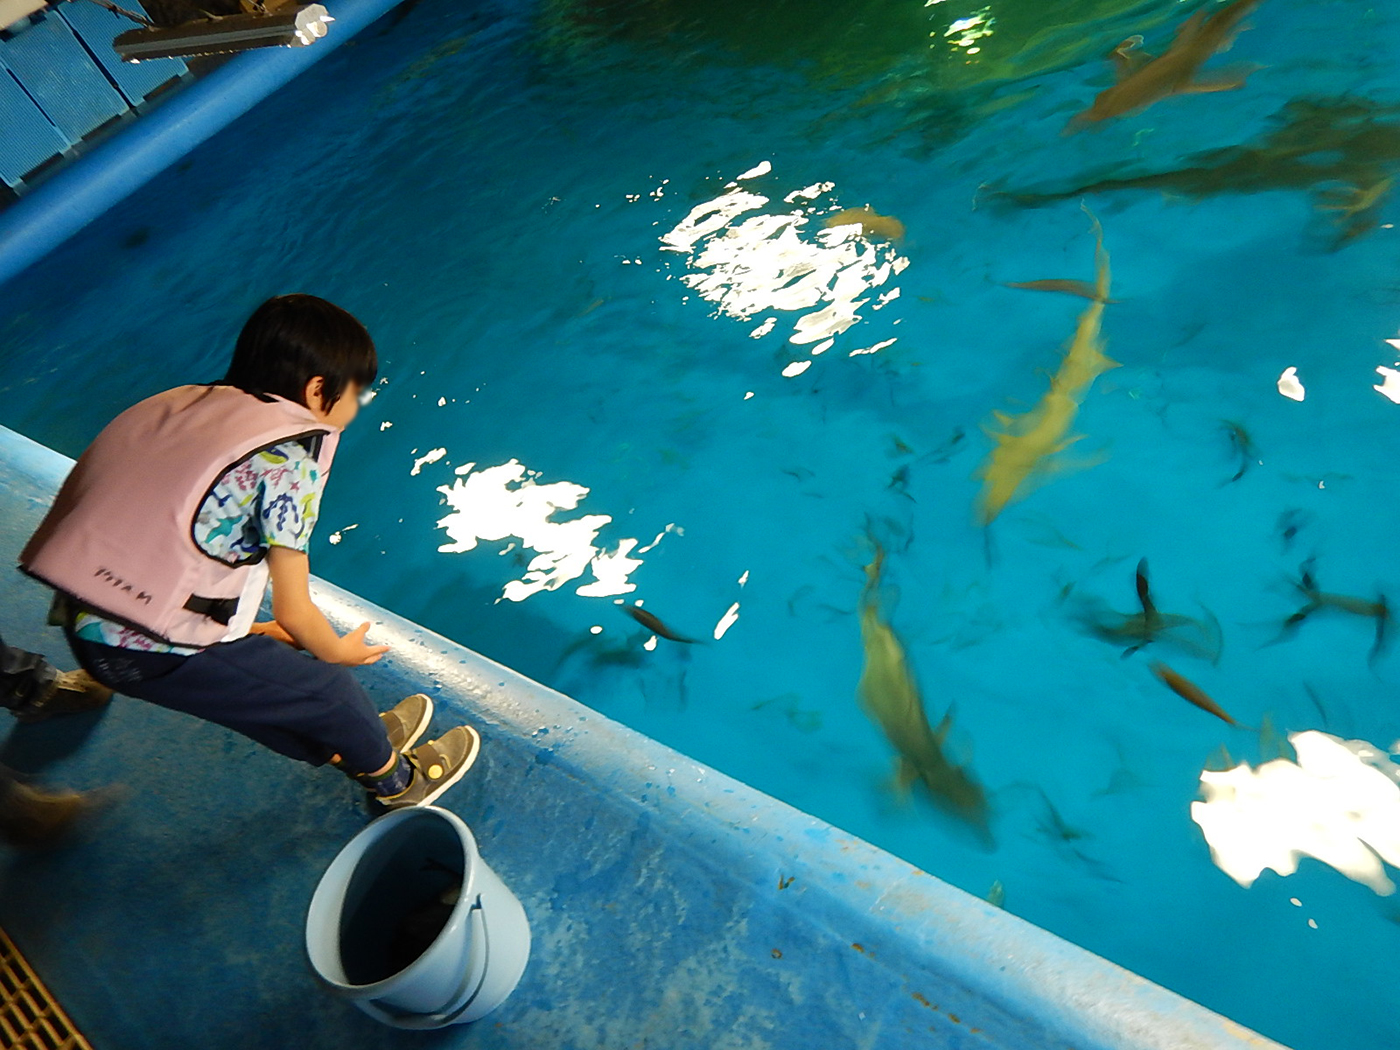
[[271, 499]]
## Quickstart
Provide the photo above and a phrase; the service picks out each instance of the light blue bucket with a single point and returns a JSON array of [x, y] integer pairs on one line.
[[412, 926]]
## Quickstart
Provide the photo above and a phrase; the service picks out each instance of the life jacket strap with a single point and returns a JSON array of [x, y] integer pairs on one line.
[[220, 610]]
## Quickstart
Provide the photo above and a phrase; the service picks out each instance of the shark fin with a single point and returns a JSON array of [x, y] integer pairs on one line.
[[940, 731], [1128, 57]]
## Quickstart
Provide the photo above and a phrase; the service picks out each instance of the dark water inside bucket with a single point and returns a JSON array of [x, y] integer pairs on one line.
[[401, 896]]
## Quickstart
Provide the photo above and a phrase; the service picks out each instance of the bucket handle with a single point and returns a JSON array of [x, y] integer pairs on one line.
[[445, 1017]]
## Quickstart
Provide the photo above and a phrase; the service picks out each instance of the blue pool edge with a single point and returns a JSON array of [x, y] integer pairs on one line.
[[85, 189], [857, 899]]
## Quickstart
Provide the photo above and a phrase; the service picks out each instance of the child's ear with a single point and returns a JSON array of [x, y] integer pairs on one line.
[[314, 393]]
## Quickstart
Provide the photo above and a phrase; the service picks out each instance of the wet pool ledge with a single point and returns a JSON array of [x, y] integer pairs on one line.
[[652, 884]]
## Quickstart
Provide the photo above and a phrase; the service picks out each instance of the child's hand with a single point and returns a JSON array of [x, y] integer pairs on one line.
[[353, 650]]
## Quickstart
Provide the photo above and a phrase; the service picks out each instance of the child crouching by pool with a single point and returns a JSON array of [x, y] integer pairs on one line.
[[162, 541]]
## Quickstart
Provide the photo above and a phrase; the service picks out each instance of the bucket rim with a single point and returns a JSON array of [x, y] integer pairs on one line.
[[335, 880]]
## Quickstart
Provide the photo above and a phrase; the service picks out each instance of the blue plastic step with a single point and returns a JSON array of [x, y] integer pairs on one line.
[[27, 137], [59, 74], [97, 27]]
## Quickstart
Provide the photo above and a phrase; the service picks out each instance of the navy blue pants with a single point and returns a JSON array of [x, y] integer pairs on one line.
[[298, 706]]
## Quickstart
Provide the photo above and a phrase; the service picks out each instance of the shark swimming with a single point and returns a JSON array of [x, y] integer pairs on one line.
[[1026, 443], [1144, 79], [889, 694]]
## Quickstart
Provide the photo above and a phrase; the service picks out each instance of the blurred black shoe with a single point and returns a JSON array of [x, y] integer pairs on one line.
[[69, 693]]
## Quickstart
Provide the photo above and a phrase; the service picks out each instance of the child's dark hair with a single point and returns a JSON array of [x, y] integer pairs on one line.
[[290, 339]]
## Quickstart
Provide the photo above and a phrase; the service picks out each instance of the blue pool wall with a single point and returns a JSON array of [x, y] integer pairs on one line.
[[62, 205], [652, 883]]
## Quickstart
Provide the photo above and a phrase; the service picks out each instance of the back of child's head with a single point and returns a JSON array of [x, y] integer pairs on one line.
[[291, 339]]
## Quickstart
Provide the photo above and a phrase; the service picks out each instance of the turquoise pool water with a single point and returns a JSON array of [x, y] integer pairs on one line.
[[568, 227]]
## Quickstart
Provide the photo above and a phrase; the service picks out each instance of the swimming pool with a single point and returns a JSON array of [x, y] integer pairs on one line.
[[550, 218]]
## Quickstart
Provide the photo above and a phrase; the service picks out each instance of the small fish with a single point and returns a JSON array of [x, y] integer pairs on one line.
[[996, 896], [1144, 79], [1198, 638], [1318, 600], [871, 223], [655, 626], [1094, 866], [1189, 691], [1055, 826], [1069, 286], [899, 482], [1289, 524], [948, 449], [1241, 445], [599, 653]]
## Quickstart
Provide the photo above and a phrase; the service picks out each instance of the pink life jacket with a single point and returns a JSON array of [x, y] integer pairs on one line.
[[120, 535]]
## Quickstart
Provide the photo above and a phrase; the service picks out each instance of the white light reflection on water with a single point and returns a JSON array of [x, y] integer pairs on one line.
[[1389, 386], [507, 500], [966, 32], [1290, 386], [748, 261], [1340, 803]]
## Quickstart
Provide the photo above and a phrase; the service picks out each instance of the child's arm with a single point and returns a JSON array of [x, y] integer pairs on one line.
[[293, 608], [273, 629]]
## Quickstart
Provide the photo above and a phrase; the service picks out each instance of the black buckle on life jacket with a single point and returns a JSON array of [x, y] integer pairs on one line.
[[220, 610]]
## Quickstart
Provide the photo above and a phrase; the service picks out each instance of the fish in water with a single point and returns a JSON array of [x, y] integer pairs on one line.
[[1025, 443], [1054, 826], [1289, 524], [996, 896], [1144, 79], [600, 653], [1150, 616], [871, 223], [899, 482], [948, 449], [1318, 600], [1068, 285], [1189, 691], [1241, 445], [1355, 210], [653, 624], [1345, 145], [1198, 638], [890, 696]]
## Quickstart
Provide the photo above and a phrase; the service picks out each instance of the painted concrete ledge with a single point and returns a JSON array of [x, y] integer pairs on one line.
[[651, 882]]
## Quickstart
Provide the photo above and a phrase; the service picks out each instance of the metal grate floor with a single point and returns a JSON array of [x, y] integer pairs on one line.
[[30, 1019]]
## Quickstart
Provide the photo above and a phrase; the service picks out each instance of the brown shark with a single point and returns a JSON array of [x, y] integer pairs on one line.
[[890, 696], [1027, 446], [1144, 79]]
